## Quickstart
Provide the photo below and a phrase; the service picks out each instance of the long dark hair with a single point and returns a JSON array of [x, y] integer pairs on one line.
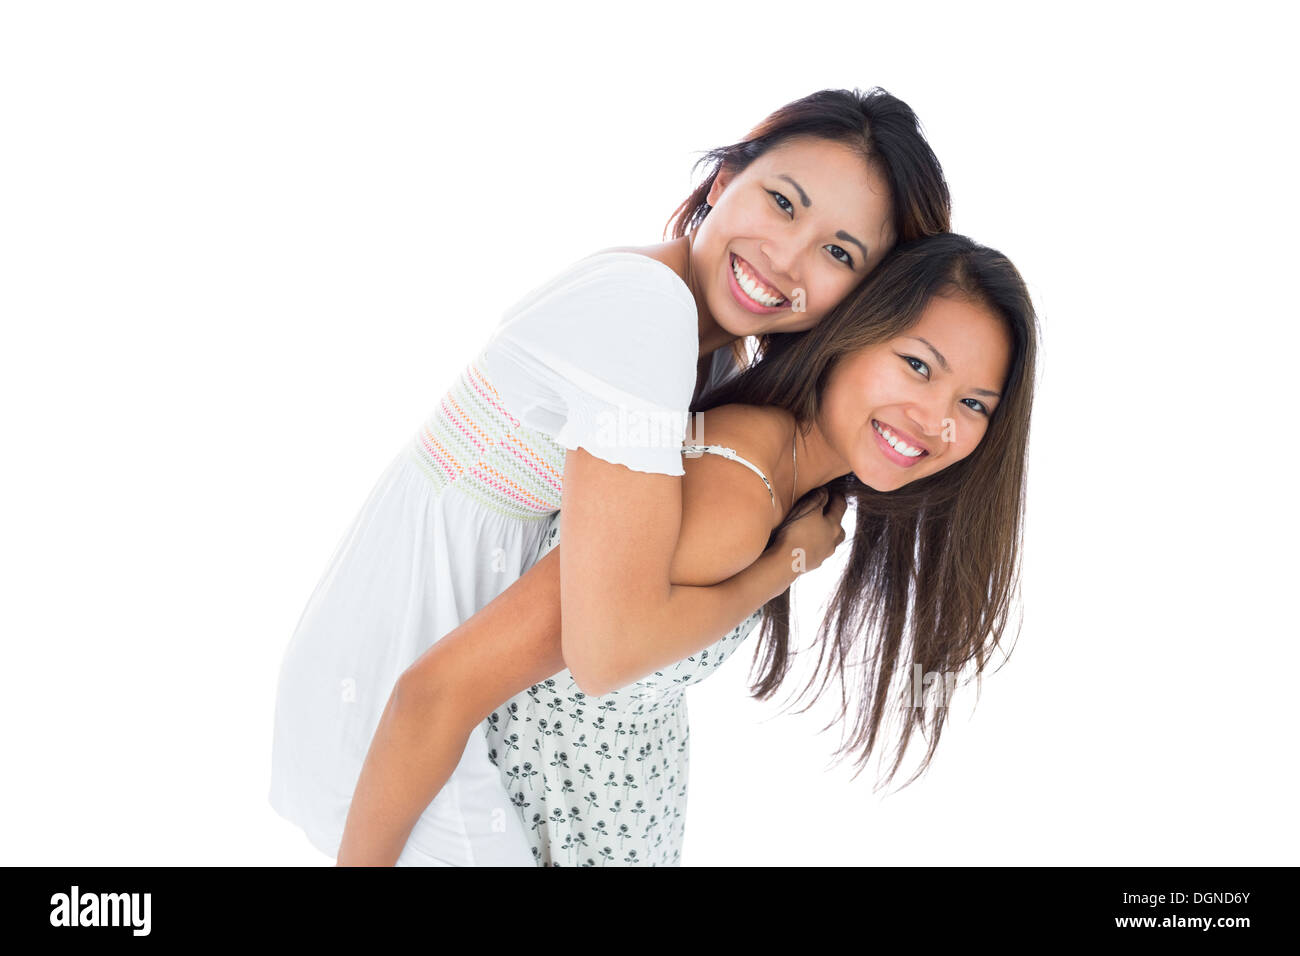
[[881, 127], [934, 566]]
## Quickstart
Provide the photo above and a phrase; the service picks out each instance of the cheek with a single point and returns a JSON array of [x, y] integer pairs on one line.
[[969, 437], [849, 417], [822, 296], [747, 218]]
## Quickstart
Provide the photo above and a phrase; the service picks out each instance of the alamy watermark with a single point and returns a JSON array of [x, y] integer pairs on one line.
[[101, 909], [945, 683], [628, 427]]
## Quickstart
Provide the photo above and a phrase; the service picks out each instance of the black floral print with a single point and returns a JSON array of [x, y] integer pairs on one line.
[[601, 781]]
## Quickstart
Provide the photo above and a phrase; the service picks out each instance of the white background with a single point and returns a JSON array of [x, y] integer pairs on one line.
[[246, 246]]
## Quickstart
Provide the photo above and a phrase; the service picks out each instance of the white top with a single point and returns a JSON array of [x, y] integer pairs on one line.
[[603, 356], [457, 517]]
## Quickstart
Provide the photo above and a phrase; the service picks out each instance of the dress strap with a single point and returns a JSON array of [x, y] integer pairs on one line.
[[726, 452]]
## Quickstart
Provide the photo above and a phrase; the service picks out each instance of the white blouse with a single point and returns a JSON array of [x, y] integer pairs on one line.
[[603, 356], [457, 517]]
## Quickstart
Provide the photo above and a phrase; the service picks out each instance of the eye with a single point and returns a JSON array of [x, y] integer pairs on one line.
[[909, 359], [847, 260], [781, 199], [982, 409]]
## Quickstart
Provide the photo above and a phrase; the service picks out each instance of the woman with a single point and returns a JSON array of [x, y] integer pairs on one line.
[[939, 346], [457, 519]]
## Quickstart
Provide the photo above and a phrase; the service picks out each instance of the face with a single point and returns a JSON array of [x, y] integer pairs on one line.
[[806, 222], [931, 388]]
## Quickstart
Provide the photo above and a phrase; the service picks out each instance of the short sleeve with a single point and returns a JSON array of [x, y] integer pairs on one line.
[[603, 357]]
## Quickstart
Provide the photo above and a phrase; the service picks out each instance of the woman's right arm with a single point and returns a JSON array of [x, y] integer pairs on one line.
[[623, 612], [615, 342]]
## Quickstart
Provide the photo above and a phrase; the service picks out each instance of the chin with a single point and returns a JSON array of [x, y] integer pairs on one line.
[[741, 327], [892, 483], [868, 481], [788, 324]]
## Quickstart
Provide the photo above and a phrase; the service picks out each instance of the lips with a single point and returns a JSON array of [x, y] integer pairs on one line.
[[768, 283], [899, 433]]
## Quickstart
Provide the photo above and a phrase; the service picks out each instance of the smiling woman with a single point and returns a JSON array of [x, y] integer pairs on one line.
[[788, 260], [599, 771], [936, 354], [574, 762], [946, 405], [458, 516]]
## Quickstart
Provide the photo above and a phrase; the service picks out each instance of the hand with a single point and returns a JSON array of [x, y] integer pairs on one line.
[[811, 538]]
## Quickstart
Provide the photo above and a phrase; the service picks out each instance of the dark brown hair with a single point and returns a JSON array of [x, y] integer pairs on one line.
[[881, 127], [933, 566]]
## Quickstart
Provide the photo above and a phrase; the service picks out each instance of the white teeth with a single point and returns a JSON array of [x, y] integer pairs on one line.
[[898, 444], [752, 288]]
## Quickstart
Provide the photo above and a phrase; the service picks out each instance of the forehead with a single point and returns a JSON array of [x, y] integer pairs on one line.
[[820, 161], [951, 315], [966, 332]]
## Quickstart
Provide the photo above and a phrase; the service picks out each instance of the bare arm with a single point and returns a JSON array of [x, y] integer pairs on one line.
[[513, 643], [510, 645], [632, 601]]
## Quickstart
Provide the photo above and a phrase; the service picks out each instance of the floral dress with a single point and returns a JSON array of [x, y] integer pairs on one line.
[[601, 781]]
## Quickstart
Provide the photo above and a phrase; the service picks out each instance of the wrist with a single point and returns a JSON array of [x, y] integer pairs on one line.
[[783, 563]]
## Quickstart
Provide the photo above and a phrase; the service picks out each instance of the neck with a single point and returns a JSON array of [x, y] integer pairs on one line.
[[712, 335], [818, 461]]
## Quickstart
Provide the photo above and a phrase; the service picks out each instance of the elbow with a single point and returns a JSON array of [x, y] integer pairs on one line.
[[416, 701], [591, 672], [588, 687]]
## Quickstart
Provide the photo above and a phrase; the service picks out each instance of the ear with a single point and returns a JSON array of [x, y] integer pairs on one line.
[[719, 185]]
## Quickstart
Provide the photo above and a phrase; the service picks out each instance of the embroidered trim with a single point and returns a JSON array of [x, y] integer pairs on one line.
[[472, 443]]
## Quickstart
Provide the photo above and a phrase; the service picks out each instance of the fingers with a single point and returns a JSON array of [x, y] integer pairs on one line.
[[838, 505], [814, 502], [835, 514]]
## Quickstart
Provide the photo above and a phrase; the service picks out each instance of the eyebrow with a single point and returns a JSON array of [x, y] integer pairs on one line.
[[943, 362], [806, 202]]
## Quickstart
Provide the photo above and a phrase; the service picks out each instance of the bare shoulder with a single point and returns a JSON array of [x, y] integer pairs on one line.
[[756, 432], [727, 512]]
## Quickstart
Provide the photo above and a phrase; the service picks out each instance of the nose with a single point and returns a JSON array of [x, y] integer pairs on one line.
[[928, 421], [782, 259]]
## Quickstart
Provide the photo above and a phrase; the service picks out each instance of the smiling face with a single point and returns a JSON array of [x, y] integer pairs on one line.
[[929, 389], [805, 223]]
